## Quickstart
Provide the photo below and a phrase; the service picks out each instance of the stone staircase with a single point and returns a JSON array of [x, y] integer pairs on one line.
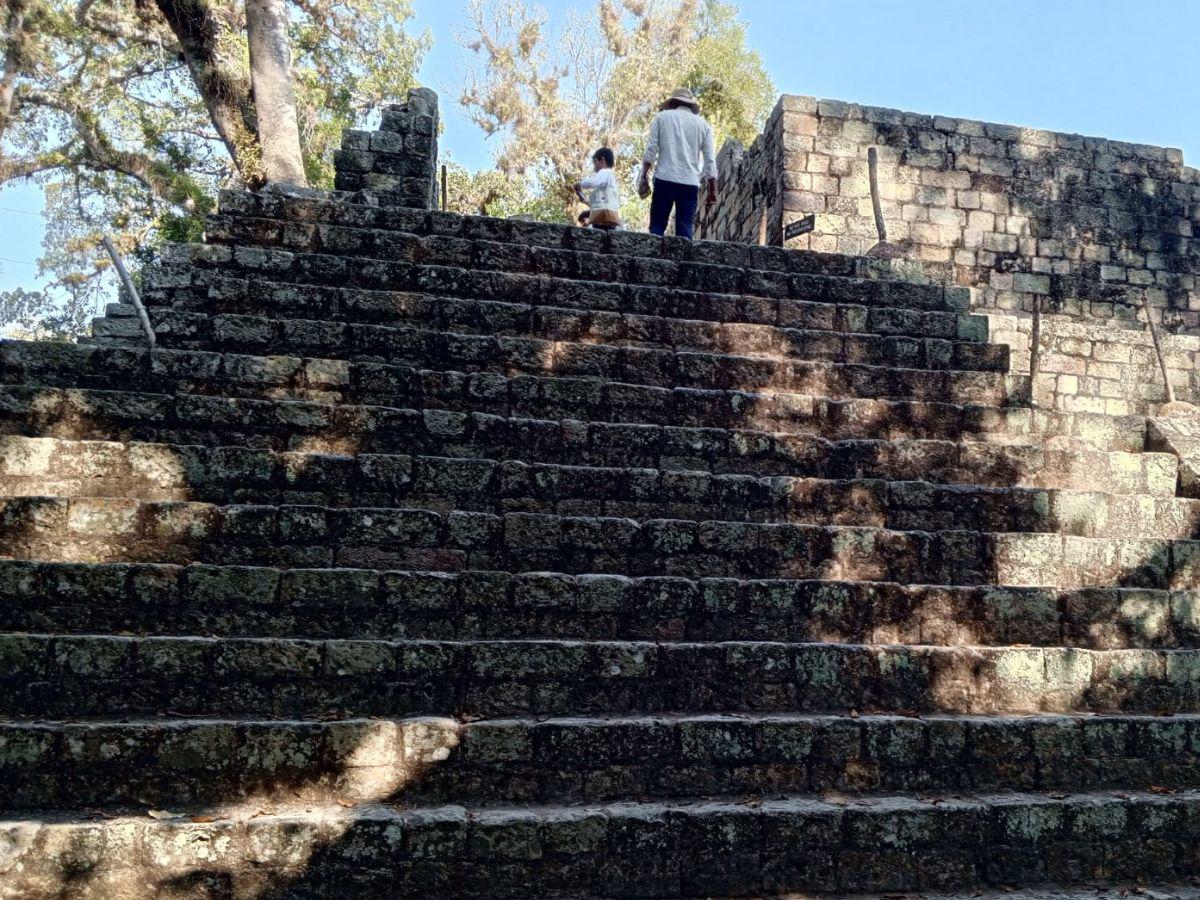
[[450, 556]]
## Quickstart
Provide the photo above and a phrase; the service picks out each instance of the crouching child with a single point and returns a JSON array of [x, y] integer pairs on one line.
[[603, 199]]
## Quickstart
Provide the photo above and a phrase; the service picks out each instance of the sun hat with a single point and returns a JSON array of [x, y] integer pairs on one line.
[[684, 96]]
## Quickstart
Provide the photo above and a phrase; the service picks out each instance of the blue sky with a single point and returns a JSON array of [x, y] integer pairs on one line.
[[1099, 67]]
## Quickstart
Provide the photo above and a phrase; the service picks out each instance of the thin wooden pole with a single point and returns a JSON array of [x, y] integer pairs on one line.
[[1035, 349], [1162, 361], [130, 290], [444, 206], [873, 169]]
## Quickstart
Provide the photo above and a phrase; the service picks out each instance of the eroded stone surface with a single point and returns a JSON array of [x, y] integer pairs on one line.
[[440, 555]]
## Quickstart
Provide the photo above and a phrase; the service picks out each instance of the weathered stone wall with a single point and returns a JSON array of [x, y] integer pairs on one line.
[[1098, 367], [751, 199], [399, 161], [1092, 225]]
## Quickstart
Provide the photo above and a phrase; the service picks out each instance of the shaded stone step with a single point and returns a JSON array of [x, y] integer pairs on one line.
[[633, 849], [333, 382], [366, 604], [690, 428], [588, 372], [122, 529], [56, 676], [339, 208], [330, 286], [483, 300], [524, 450], [186, 762], [1082, 891], [160, 472], [423, 328], [499, 245]]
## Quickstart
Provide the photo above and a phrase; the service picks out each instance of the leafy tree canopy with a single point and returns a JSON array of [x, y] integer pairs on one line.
[[553, 96], [131, 113]]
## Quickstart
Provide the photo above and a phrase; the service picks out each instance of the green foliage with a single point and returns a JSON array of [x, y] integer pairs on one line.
[[111, 121], [352, 56], [729, 78], [555, 96], [26, 316]]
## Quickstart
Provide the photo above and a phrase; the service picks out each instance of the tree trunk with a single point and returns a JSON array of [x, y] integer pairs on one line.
[[224, 90], [274, 97], [14, 59]]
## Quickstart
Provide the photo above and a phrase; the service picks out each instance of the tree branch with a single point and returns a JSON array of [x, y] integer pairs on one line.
[[16, 170], [98, 152]]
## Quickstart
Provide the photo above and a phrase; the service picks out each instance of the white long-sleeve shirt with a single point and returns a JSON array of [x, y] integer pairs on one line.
[[682, 145], [602, 188]]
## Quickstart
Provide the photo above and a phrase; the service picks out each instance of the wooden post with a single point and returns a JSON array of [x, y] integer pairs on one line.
[[873, 169], [1035, 349], [130, 290], [444, 207], [1162, 361]]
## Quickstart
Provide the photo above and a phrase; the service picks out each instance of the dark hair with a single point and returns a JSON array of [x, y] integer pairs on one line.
[[604, 155], [584, 216]]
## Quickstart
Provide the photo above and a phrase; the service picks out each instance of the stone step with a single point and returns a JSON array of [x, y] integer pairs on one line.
[[689, 425], [78, 676], [236, 474], [515, 368], [1089, 890], [364, 604], [478, 300], [664, 849], [422, 328], [186, 762], [111, 326], [130, 530], [973, 408], [160, 472], [505, 246], [346, 209], [216, 278]]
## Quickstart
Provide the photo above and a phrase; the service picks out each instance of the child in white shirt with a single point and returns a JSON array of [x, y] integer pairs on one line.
[[603, 200]]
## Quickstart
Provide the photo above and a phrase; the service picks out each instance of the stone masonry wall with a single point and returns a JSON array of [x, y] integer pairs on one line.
[[750, 188], [398, 162], [1098, 367], [1092, 225]]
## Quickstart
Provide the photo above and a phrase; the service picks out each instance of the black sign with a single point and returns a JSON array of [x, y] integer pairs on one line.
[[799, 227]]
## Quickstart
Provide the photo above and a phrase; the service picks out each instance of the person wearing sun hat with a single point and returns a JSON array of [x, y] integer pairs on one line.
[[681, 144]]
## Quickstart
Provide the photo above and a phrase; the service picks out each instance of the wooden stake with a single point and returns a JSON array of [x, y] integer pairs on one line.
[[1162, 362], [873, 169], [443, 188], [1035, 349]]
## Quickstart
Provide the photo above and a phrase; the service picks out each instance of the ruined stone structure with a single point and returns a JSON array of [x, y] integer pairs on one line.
[[397, 163], [1089, 223], [443, 556], [1088, 227]]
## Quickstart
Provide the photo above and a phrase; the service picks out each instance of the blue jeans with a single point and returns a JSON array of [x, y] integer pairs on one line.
[[683, 197]]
